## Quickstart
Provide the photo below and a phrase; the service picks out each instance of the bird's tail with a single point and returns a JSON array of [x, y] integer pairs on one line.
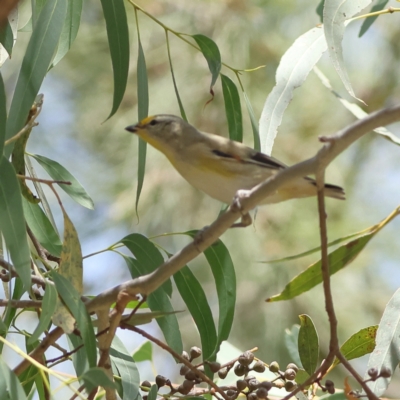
[[334, 191]]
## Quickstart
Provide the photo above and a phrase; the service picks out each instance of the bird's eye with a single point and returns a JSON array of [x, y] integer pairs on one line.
[[153, 122]]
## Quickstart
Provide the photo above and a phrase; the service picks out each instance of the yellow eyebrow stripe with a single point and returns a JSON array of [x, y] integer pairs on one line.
[[146, 120]]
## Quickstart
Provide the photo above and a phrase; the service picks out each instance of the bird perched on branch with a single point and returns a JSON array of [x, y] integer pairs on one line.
[[219, 166]]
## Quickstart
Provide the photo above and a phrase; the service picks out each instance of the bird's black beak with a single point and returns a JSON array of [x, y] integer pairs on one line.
[[132, 128]]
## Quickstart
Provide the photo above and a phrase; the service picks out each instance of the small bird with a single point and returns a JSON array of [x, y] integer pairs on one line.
[[218, 166]]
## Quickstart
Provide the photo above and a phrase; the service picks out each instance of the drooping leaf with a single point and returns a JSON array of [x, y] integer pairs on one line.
[[152, 395], [127, 369], [71, 270], [254, 124], [71, 298], [211, 53], [320, 10], [3, 114], [356, 110], [59, 173], [10, 387], [69, 31], [308, 344], [96, 377], [118, 40], [338, 259], [336, 12], [380, 5], [12, 222], [42, 228], [48, 307], [359, 344], [294, 67], [292, 344], [233, 109], [196, 301], [38, 55], [143, 111], [387, 350], [6, 36]]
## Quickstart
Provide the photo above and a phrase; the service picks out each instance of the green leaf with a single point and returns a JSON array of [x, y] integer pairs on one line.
[[143, 111], [152, 395], [159, 301], [380, 5], [178, 97], [147, 255], [293, 69], [79, 357], [71, 297], [118, 41], [142, 318], [75, 190], [224, 274], [320, 10], [387, 350], [12, 223], [196, 301], [335, 14], [233, 109], [312, 276], [211, 53], [38, 55], [254, 123], [69, 31], [96, 377], [292, 344], [308, 344], [6, 36], [359, 344], [42, 228], [127, 369], [3, 114], [10, 387], [71, 269], [144, 352], [48, 307]]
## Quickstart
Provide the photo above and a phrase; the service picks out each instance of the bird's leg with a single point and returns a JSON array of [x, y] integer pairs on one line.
[[246, 219]]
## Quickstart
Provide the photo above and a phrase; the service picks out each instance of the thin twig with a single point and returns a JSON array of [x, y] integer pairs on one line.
[[46, 181], [20, 303], [177, 356]]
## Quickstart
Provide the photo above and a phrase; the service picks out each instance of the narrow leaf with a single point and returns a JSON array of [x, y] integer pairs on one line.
[[10, 387], [224, 274], [359, 344], [3, 114], [95, 377], [211, 53], [254, 124], [38, 55], [336, 12], [6, 36], [380, 5], [144, 352], [196, 301], [12, 222], [387, 350], [71, 269], [320, 10], [308, 344], [294, 67], [355, 109], [127, 369], [152, 395], [118, 40], [178, 97], [233, 109], [75, 190], [48, 307], [69, 31], [71, 297], [143, 111], [42, 228], [292, 344], [159, 301]]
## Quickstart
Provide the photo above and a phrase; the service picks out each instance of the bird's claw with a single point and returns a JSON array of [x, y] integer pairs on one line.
[[246, 219]]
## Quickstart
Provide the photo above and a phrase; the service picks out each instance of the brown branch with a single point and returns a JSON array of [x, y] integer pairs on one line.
[[20, 303], [46, 181], [177, 356]]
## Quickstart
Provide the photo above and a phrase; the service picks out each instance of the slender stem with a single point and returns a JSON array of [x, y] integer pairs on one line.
[[389, 10]]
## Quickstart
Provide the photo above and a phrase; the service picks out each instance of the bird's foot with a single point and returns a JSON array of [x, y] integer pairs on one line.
[[246, 219]]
